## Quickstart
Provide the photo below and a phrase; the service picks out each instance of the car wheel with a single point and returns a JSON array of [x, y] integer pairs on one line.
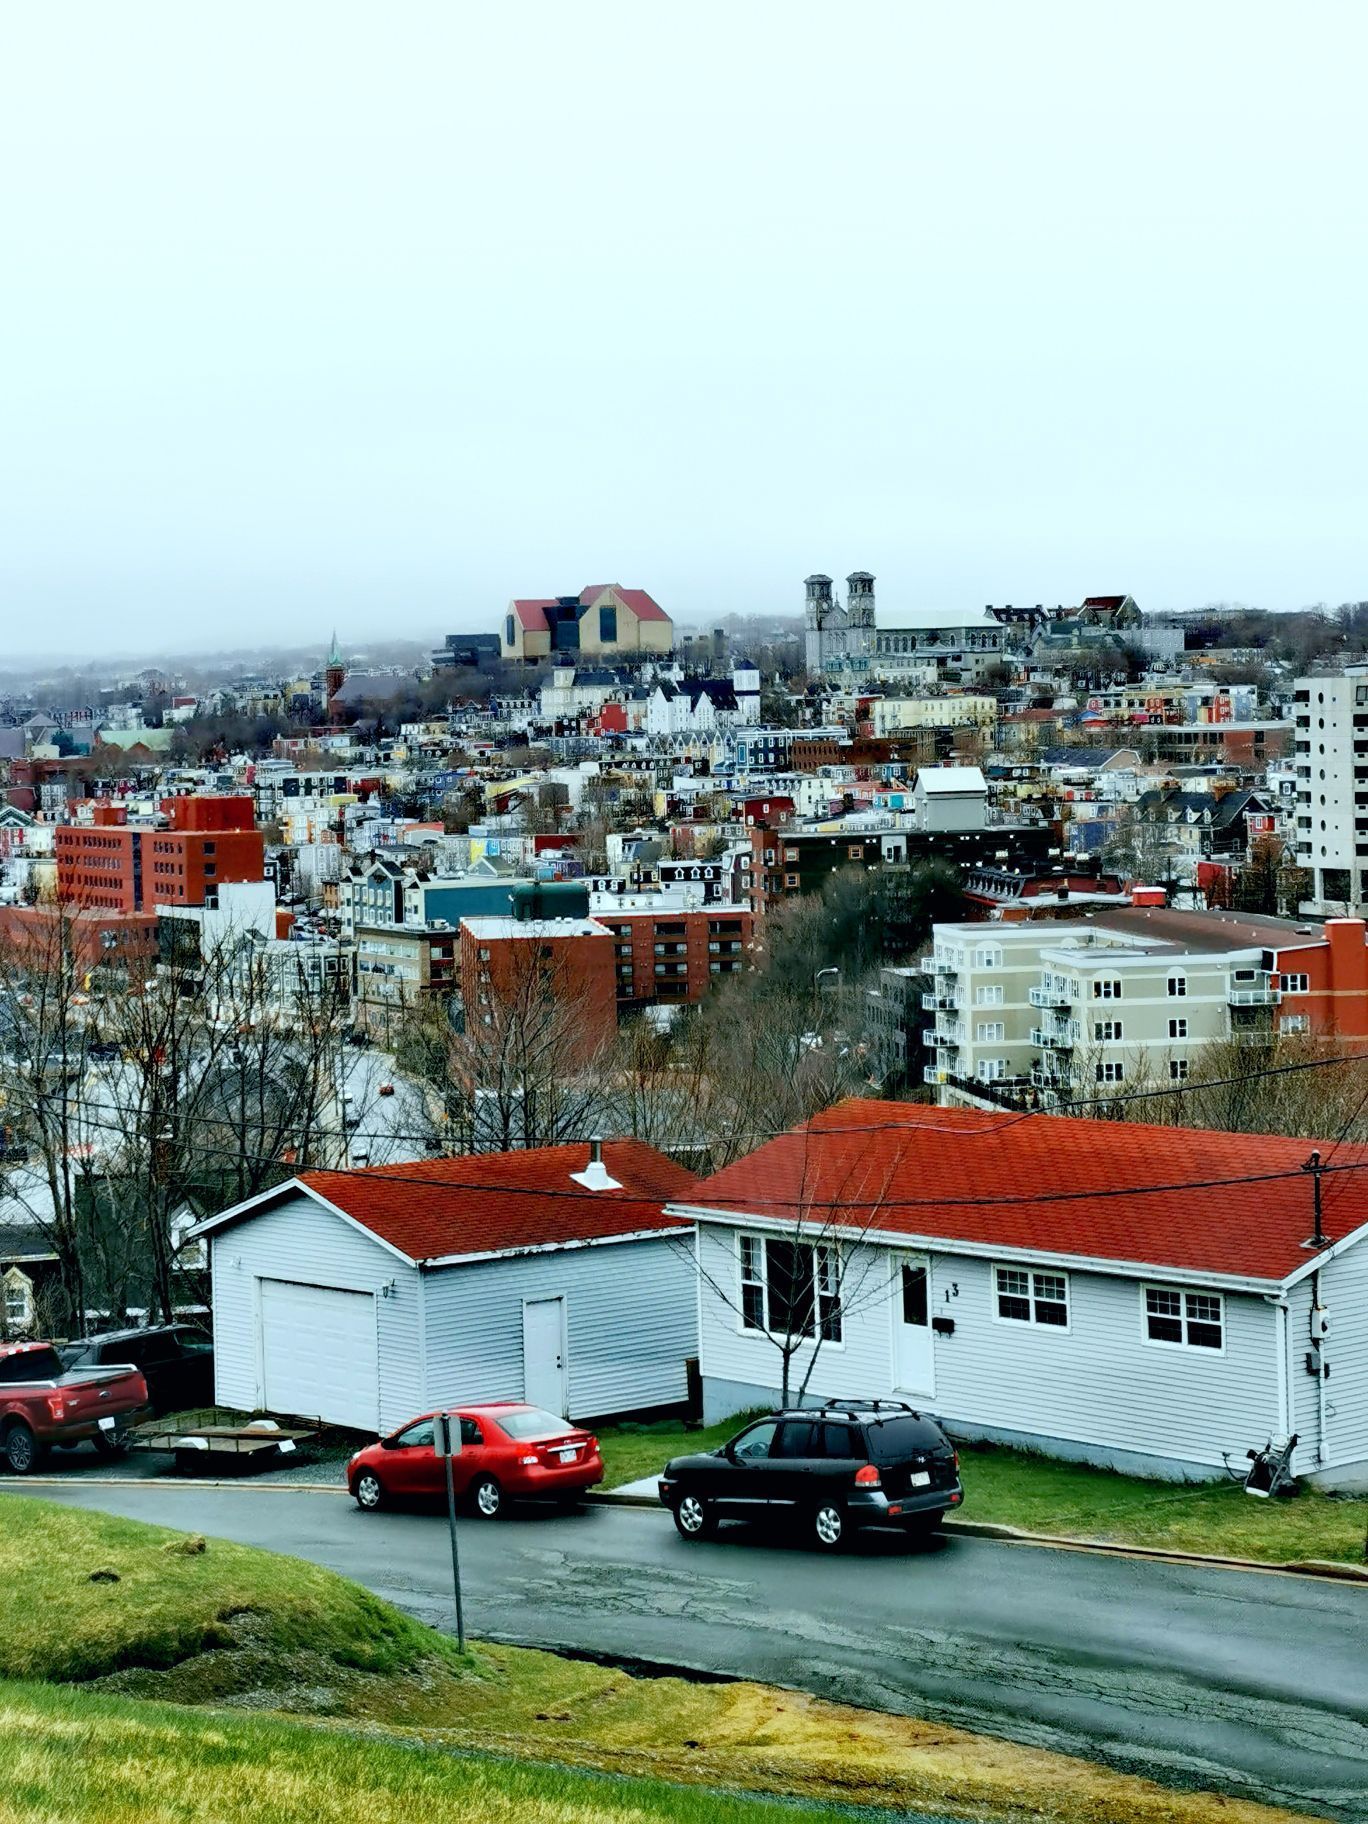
[[487, 1498], [694, 1518], [828, 1527], [21, 1449], [369, 1493]]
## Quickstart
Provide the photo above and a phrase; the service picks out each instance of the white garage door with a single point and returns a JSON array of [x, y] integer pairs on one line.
[[318, 1353]]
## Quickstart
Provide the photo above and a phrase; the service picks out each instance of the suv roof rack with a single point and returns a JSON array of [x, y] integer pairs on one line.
[[868, 1406]]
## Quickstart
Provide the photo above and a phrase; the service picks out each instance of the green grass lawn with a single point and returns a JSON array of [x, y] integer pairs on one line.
[[1044, 1495], [69, 1756], [116, 1630], [633, 1451]]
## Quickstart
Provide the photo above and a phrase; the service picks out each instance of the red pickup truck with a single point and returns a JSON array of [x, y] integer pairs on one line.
[[41, 1404]]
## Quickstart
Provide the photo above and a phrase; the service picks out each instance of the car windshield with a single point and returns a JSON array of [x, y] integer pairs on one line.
[[892, 1439], [531, 1422]]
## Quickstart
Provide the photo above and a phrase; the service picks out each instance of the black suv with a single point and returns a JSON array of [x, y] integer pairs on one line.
[[177, 1362], [835, 1468]]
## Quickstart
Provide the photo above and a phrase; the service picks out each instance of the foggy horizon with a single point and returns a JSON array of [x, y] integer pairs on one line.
[[320, 319]]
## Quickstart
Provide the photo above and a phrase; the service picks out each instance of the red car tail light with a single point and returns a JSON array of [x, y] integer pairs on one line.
[[526, 1462], [868, 1476], [56, 1406]]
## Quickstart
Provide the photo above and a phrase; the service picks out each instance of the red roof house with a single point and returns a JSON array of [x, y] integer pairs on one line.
[[368, 1295], [1140, 1295]]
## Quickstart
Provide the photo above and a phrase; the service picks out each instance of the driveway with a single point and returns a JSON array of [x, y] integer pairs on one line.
[[1243, 1681]]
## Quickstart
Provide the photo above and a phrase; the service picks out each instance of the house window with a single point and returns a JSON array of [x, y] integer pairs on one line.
[[1111, 1072], [1187, 1320], [987, 1030], [790, 880], [1178, 1029], [988, 956], [18, 1301], [608, 626], [790, 1288], [1295, 1022], [992, 1070], [1296, 984], [1107, 988], [991, 994], [1177, 984], [855, 852], [1027, 1297], [1107, 1030], [1178, 1070]]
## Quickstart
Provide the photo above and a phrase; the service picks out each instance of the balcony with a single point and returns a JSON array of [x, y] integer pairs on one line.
[[949, 1032], [1254, 996], [937, 965], [1047, 1075], [1048, 997], [933, 1074], [940, 1003], [1060, 1036]]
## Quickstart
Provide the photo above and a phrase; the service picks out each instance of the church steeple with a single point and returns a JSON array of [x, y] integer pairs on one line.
[[334, 672]]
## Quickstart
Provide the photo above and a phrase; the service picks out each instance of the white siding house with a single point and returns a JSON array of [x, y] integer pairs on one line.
[[364, 1298], [1136, 1308]]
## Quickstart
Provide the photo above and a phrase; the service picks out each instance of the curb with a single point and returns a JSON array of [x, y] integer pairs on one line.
[[1326, 1568], [243, 1482], [1015, 1535]]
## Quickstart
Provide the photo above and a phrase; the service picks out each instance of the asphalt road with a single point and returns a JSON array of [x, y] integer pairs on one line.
[[1242, 1681]]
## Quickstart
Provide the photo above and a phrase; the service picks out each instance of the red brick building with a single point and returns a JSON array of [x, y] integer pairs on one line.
[[674, 956], [510, 963], [116, 866], [1324, 979]]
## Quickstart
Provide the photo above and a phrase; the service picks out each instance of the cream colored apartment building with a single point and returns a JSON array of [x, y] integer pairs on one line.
[[1077, 1010]]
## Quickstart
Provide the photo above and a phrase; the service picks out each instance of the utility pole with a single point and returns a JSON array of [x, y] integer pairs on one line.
[[1317, 1171], [449, 1440]]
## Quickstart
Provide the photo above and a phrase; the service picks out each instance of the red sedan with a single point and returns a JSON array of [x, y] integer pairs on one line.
[[509, 1452]]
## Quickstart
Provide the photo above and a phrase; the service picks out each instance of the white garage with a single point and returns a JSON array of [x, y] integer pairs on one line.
[[364, 1298], [319, 1353]]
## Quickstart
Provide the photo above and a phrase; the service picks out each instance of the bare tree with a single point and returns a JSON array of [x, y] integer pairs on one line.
[[528, 1070], [46, 964], [811, 1269]]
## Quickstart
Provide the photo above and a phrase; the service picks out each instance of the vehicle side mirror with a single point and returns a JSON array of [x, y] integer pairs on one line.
[[389, 1443], [729, 1452]]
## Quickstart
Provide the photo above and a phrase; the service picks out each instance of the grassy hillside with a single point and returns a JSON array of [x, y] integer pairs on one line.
[[126, 1622]]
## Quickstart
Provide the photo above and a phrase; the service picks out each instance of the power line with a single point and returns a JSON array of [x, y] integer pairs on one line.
[[396, 1175], [1014, 1119]]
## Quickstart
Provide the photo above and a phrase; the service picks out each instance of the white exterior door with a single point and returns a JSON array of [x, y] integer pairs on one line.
[[914, 1361], [318, 1354], [544, 1376]]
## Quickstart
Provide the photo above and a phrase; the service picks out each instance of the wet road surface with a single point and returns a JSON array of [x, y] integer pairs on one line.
[[1248, 1682]]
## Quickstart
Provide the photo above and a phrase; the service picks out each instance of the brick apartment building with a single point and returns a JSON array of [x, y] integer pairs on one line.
[[566, 960], [116, 866], [674, 956]]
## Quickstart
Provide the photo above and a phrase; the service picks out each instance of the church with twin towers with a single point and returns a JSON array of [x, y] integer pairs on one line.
[[932, 648]]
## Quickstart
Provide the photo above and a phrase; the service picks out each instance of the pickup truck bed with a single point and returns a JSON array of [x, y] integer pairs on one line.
[[41, 1403]]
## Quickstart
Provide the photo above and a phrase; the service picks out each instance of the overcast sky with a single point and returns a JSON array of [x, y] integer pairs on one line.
[[379, 315]]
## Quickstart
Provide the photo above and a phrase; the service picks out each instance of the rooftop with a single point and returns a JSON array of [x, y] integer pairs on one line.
[[1154, 1199], [494, 1203]]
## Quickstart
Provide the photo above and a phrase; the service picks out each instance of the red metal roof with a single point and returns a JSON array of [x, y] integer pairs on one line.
[[531, 612], [1051, 1184], [642, 605], [490, 1202]]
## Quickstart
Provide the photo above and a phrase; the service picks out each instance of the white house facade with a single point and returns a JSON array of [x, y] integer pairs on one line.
[[1151, 1330], [363, 1298]]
